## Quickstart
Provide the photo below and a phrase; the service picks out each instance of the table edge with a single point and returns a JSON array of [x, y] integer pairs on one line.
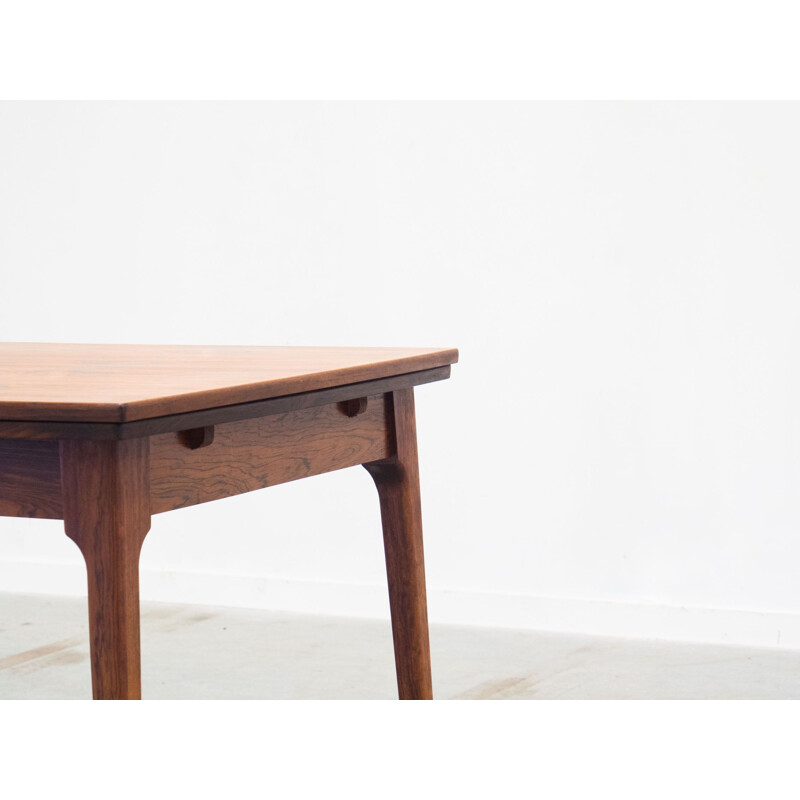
[[186, 402], [48, 430]]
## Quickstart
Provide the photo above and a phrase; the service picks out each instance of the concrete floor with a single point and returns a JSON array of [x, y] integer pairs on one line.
[[198, 652]]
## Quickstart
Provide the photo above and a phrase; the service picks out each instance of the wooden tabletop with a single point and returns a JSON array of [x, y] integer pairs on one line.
[[122, 383]]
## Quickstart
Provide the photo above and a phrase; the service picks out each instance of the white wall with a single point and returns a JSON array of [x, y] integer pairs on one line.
[[618, 450]]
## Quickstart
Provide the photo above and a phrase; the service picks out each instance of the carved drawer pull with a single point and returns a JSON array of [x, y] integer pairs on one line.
[[354, 407], [195, 438]]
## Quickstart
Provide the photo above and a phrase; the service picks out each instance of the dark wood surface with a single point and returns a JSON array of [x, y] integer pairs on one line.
[[240, 457], [256, 453], [199, 465], [397, 479], [123, 383], [30, 479], [106, 490], [54, 431]]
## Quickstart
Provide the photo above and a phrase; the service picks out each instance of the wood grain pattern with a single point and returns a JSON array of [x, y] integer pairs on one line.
[[122, 383], [106, 491], [243, 456], [256, 453], [397, 479], [30, 479], [53, 431]]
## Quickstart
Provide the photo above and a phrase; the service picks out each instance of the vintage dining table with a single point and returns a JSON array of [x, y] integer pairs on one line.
[[105, 436]]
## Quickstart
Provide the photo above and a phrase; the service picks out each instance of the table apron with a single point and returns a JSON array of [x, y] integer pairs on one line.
[[243, 456], [256, 453]]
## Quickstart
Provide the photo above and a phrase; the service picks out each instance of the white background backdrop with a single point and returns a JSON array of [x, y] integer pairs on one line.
[[618, 450]]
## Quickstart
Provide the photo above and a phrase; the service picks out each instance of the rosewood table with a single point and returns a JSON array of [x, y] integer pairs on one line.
[[104, 436]]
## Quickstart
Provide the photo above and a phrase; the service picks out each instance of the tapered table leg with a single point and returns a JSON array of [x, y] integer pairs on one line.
[[106, 500], [397, 479]]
